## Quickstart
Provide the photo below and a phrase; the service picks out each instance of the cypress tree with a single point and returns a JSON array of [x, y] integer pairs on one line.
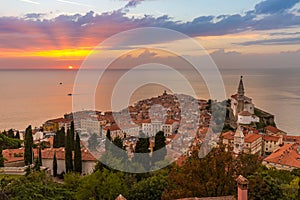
[[28, 143], [142, 146], [108, 141], [17, 135], [1, 158], [68, 152], [54, 165], [56, 139], [160, 144], [61, 138], [40, 157], [10, 133], [77, 156], [72, 136]]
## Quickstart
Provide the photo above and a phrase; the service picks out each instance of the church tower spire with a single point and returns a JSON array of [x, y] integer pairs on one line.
[[240, 96], [241, 90]]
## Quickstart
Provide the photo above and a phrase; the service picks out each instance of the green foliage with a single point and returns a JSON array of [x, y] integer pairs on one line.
[[102, 185], [149, 189], [28, 143], [9, 143], [37, 186], [77, 156], [212, 175]]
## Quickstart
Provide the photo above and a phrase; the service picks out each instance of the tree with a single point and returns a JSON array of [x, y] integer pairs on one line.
[[263, 186], [213, 175], [68, 152], [17, 136], [159, 144], [72, 136], [77, 156], [108, 141], [54, 165], [102, 185], [40, 163], [28, 143], [118, 148], [10, 133], [142, 151], [1, 158], [93, 142], [149, 188]]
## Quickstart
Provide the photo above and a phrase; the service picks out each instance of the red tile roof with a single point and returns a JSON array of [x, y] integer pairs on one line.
[[291, 138], [286, 155], [48, 153], [272, 129], [229, 135], [271, 138], [252, 137]]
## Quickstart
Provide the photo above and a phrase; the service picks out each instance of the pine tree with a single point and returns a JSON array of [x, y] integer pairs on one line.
[[77, 156], [54, 165], [1, 158], [28, 143], [68, 152]]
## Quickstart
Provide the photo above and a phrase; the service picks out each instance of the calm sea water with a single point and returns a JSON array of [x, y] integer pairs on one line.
[[33, 96]]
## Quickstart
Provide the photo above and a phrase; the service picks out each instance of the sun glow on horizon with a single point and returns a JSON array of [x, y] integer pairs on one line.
[[70, 67]]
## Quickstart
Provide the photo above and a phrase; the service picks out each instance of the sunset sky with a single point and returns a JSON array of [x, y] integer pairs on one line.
[[61, 33]]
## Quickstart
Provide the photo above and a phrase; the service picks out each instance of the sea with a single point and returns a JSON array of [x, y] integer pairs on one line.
[[30, 97]]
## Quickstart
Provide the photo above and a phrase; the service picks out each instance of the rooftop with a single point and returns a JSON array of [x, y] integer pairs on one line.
[[286, 155]]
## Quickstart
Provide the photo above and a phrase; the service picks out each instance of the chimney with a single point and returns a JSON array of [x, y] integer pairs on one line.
[[242, 184]]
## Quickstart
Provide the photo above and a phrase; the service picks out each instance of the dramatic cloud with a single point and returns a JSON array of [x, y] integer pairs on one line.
[[274, 6], [133, 3], [277, 41]]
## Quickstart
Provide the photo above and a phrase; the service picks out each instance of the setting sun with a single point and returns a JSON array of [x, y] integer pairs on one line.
[[70, 67]]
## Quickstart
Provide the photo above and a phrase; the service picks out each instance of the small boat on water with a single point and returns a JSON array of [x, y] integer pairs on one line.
[[70, 94]]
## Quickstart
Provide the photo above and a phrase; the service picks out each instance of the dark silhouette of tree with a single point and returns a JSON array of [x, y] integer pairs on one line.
[[72, 137], [10, 133], [159, 144], [54, 165], [68, 152], [1, 158], [17, 136], [28, 143], [93, 142], [77, 156], [142, 151], [40, 157]]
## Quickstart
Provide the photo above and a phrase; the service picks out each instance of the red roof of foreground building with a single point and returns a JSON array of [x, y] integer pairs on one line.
[[229, 135], [252, 137], [271, 138], [286, 155], [14, 155], [272, 129]]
